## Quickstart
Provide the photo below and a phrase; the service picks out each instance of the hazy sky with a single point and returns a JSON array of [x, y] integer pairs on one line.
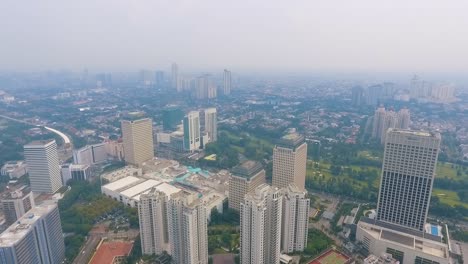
[[305, 35]]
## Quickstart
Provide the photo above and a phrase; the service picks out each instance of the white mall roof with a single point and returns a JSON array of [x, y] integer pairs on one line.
[[121, 183], [139, 188]]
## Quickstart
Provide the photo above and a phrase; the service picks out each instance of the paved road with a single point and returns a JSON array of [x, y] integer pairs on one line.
[[87, 250]]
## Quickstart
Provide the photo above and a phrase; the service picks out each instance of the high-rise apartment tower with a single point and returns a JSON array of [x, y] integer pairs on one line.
[[295, 221], [260, 223], [188, 231]]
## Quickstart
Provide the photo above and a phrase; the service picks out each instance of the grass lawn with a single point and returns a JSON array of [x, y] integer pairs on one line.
[[446, 170], [448, 197]]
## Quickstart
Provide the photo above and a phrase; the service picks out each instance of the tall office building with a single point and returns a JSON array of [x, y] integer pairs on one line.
[[295, 223], [192, 136], [244, 179], [16, 203], [408, 172], [138, 140], [152, 213], [35, 238], [43, 165], [188, 231], [290, 161], [210, 124], [227, 82], [260, 223]]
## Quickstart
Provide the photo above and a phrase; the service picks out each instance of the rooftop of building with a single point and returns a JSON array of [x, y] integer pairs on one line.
[[36, 143], [247, 169], [135, 119], [409, 240], [108, 251], [22, 226], [291, 140], [15, 193], [113, 186], [415, 133]]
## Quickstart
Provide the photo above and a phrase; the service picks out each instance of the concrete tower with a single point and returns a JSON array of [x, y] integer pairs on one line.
[[290, 161], [138, 140], [260, 224], [227, 82], [408, 172], [188, 231], [43, 164], [295, 221]]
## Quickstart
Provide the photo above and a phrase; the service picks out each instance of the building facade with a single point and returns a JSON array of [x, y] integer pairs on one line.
[[295, 221], [138, 140], [210, 123], [260, 223], [227, 82], [152, 214], [244, 179], [192, 135], [43, 166], [386, 119], [187, 229], [290, 161], [16, 203], [90, 154], [35, 238], [408, 172]]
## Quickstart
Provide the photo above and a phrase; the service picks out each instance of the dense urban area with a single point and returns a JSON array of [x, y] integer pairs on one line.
[[171, 166]]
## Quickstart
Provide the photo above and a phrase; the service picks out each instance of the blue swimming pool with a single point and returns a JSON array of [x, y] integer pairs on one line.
[[434, 230]]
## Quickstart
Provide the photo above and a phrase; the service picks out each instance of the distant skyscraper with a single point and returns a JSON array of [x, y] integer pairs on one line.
[[227, 82], [408, 172], [211, 123], [205, 88], [188, 231], [357, 94], [159, 79], [35, 238], [290, 161], [138, 140], [152, 213], [404, 118], [175, 80], [244, 179], [260, 223], [295, 224], [16, 203], [43, 165], [383, 120], [192, 138]]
